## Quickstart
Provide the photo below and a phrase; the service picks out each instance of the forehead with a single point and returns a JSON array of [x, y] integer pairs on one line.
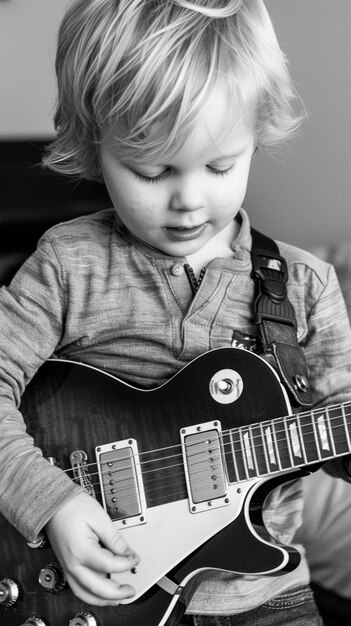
[[221, 125]]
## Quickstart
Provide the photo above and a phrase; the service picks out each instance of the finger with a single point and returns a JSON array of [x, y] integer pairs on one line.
[[102, 560], [98, 589], [113, 540]]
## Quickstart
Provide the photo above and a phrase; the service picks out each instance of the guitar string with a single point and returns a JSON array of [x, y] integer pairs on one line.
[[245, 428], [182, 492], [149, 480], [174, 484], [198, 477], [234, 430], [237, 429]]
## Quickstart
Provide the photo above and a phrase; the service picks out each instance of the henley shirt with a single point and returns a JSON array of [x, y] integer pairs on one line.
[[94, 293]]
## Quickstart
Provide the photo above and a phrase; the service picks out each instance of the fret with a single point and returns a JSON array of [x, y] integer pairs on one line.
[[281, 443], [323, 435], [296, 442], [238, 454], [286, 442], [287, 435], [264, 449], [331, 433], [348, 418], [344, 418], [338, 428], [229, 457], [270, 447], [274, 435], [315, 432], [253, 442], [303, 447], [246, 451], [308, 438], [254, 449], [261, 459]]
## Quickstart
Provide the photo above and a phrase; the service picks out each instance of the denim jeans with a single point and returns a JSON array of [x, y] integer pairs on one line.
[[295, 608]]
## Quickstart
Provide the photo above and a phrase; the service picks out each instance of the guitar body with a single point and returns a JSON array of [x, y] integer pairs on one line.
[[176, 525]]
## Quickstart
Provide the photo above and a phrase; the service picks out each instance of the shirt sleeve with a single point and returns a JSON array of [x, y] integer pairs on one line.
[[328, 352], [32, 314]]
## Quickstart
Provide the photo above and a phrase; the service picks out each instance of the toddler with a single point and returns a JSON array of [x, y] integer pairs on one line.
[[165, 101]]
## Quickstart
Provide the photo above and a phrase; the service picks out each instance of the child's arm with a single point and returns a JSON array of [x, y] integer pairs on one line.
[[90, 548], [32, 491], [32, 310]]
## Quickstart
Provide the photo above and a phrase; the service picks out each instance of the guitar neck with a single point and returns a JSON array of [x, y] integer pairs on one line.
[[286, 443]]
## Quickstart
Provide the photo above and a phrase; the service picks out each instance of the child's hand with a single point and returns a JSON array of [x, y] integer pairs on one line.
[[90, 548]]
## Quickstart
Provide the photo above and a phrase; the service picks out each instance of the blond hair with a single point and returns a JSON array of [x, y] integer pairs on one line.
[[123, 65]]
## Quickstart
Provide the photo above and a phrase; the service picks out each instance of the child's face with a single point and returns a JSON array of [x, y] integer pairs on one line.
[[179, 205]]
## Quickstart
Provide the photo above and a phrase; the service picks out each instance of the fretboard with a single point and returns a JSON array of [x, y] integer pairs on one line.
[[284, 443]]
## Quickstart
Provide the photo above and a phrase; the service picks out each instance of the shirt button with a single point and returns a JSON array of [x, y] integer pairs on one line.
[[240, 255], [177, 269]]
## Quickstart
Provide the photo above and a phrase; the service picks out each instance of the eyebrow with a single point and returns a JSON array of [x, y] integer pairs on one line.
[[233, 155], [227, 157], [133, 163]]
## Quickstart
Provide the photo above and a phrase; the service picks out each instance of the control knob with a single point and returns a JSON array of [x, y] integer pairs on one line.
[[52, 578], [9, 592], [84, 618]]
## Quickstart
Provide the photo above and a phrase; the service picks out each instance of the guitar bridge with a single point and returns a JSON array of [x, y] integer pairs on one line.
[[121, 482], [204, 466], [80, 470]]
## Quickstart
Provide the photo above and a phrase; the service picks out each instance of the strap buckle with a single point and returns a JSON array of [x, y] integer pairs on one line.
[[270, 273]]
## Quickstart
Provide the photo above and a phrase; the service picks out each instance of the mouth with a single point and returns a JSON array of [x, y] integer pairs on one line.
[[185, 234]]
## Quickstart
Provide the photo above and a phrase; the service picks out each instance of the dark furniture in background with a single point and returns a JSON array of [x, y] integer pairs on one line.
[[33, 198]]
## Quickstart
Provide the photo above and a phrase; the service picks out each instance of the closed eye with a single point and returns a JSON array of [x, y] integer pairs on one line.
[[148, 179], [219, 172], [152, 179]]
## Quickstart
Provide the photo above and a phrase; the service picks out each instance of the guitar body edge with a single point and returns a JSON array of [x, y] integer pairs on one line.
[[70, 406]]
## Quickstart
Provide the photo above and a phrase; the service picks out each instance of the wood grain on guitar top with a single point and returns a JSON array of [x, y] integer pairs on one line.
[[184, 468]]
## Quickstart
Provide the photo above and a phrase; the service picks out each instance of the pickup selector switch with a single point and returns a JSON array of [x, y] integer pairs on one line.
[[84, 618], [52, 578], [9, 592]]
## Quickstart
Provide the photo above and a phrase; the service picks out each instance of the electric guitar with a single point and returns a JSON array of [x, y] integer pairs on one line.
[[183, 471]]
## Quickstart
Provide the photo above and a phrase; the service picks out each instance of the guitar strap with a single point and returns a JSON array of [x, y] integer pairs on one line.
[[276, 320]]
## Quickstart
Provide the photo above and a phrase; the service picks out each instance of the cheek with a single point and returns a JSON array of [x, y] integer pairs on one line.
[[124, 198], [240, 181], [140, 217], [146, 204], [231, 194]]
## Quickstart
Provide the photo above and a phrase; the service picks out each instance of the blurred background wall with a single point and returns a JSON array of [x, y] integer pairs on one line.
[[300, 193], [303, 193], [28, 30]]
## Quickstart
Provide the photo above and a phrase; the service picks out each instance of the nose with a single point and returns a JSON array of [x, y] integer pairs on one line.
[[187, 194]]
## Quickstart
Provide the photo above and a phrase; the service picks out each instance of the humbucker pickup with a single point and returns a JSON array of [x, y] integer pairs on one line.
[[121, 482], [204, 468]]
